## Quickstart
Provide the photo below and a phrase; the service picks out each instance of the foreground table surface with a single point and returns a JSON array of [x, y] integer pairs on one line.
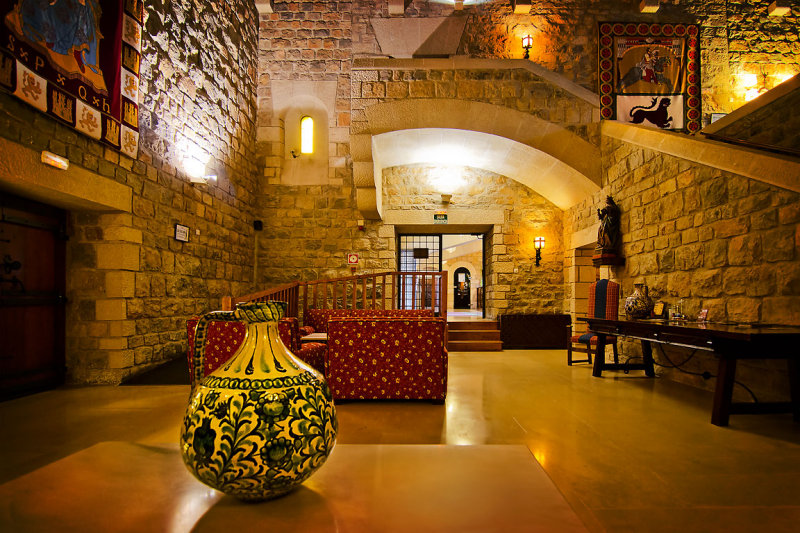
[[729, 342], [120, 486]]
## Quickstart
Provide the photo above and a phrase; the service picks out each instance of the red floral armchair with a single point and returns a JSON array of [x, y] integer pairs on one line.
[[317, 319], [224, 338], [387, 358]]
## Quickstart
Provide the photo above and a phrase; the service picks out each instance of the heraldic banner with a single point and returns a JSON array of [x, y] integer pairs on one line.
[[650, 75], [77, 61]]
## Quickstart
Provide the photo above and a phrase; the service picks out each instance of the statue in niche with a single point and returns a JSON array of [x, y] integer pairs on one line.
[[609, 235]]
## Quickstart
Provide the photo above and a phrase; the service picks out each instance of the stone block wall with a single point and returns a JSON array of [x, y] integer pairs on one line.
[[130, 284], [309, 43], [516, 89], [715, 240], [513, 283], [736, 36]]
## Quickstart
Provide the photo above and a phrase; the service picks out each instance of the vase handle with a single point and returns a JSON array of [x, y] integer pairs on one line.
[[200, 332]]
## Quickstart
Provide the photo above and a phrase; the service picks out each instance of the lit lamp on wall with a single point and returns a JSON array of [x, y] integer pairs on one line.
[[527, 42], [538, 243]]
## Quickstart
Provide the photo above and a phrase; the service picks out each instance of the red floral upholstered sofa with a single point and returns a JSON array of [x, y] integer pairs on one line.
[[316, 320], [387, 358], [224, 338]]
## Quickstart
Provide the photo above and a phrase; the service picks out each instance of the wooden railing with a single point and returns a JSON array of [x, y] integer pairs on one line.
[[384, 290]]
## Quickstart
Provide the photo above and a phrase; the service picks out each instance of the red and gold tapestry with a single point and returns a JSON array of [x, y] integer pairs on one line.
[[77, 61], [649, 74]]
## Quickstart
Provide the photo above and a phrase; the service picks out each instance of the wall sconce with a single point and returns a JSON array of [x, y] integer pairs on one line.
[[203, 180], [527, 42], [538, 243], [446, 198]]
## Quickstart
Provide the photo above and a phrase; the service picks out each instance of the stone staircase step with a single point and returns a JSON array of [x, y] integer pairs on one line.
[[474, 346], [474, 335]]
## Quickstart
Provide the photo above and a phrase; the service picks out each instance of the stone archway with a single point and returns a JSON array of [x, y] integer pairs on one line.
[[561, 166]]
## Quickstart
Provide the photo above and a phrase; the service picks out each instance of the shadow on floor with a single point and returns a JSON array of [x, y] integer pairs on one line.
[[173, 372]]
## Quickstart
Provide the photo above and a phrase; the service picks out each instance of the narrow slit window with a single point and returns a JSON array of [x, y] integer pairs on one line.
[[306, 135]]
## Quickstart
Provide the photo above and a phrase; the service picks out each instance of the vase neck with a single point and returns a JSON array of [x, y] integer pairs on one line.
[[262, 354]]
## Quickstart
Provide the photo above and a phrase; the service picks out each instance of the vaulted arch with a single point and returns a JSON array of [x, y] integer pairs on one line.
[[550, 159]]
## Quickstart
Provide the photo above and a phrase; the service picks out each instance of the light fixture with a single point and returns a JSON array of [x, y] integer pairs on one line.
[[446, 198], [203, 180], [648, 6], [53, 160], [779, 8], [527, 42], [538, 243]]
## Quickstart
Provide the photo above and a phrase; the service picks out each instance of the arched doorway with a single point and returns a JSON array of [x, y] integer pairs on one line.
[[461, 289]]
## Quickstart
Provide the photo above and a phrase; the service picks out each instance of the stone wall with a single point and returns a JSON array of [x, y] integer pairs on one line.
[[713, 239], [130, 285], [310, 44], [513, 283], [776, 125], [516, 89], [736, 36]]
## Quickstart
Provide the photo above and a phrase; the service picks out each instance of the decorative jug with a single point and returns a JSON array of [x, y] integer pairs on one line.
[[639, 304], [264, 421]]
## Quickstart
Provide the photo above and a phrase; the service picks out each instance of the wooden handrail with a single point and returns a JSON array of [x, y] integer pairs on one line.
[[409, 290]]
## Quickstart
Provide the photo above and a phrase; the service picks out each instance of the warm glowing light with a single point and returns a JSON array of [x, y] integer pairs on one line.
[[748, 79], [540, 456], [193, 158], [538, 243], [527, 41], [783, 76], [49, 158], [306, 135], [446, 180], [751, 94]]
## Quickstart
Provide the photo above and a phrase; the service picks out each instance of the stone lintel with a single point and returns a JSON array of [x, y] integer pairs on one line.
[[23, 173]]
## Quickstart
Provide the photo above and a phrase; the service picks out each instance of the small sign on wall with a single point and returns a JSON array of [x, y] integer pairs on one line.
[[440, 217], [352, 259], [181, 233]]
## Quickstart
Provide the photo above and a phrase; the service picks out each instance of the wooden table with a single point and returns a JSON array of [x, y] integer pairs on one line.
[[729, 342]]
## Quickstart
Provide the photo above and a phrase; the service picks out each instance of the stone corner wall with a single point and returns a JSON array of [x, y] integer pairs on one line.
[[130, 285], [714, 240]]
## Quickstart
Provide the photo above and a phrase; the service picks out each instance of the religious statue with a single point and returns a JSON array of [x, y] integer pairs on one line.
[[609, 236]]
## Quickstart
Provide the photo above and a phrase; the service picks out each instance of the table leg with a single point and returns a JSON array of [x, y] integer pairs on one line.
[[794, 386], [723, 392], [647, 355], [599, 356]]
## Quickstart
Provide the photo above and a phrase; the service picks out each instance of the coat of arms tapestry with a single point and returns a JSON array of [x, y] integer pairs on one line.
[[649, 74], [77, 61]]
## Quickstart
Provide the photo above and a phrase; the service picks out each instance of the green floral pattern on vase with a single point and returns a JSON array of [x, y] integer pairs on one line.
[[264, 421]]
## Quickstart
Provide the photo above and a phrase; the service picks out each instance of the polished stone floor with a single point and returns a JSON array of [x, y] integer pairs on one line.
[[628, 453]]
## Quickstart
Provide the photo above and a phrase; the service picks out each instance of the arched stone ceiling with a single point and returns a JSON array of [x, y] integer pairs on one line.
[[548, 176], [548, 158]]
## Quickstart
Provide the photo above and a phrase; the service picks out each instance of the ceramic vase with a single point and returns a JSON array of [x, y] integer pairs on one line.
[[264, 421], [639, 304]]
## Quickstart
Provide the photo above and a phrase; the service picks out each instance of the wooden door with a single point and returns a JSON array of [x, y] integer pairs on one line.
[[32, 282]]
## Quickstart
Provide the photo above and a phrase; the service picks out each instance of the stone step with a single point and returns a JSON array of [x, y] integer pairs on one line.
[[474, 335], [474, 346], [475, 324]]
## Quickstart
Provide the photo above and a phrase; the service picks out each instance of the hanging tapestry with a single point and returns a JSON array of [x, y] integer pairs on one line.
[[77, 61], [649, 74]]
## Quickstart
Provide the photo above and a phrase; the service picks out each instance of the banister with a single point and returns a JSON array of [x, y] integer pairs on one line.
[[406, 288]]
